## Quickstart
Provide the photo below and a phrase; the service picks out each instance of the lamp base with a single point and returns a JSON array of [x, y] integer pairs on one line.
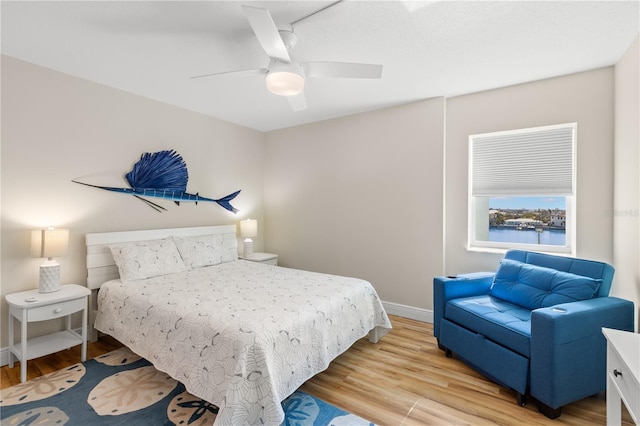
[[248, 247], [49, 277]]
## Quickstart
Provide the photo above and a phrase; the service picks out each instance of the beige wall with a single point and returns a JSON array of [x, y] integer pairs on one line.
[[56, 128], [626, 204], [585, 98], [361, 196]]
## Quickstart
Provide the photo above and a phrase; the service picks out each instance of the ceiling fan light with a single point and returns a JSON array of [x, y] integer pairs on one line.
[[285, 83]]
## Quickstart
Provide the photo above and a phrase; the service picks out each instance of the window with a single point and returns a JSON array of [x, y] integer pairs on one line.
[[522, 189]]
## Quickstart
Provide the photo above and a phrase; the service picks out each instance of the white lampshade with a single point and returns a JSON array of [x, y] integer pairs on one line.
[[49, 243], [248, 230]]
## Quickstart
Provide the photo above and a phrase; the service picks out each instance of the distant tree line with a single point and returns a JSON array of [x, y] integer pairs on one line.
[[543, 215]]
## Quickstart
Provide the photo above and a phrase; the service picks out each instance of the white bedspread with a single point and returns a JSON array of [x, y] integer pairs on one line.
[[241, 335]]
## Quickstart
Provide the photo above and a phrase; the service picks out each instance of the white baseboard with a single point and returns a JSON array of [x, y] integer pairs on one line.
[[411, 312]]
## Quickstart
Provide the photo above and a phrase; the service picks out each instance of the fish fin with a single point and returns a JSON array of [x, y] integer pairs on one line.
[[226, 201], [156, 207], [164, 170]]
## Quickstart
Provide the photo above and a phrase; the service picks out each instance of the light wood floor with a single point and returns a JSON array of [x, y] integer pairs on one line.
[[403, 380]]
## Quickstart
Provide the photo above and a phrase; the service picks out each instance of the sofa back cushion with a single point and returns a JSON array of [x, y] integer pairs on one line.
[[585, 267], [533, 287]]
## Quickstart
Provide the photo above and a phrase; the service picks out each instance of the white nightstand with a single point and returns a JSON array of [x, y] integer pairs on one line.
[[30, 306], [266, 258], [623, 374]]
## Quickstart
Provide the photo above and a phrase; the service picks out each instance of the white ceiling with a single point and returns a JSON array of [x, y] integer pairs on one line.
[[428, 49]]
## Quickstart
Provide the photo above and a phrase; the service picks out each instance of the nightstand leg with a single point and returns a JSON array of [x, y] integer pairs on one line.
[[614, 403], [23, 347], [10, 339], [84, 333]]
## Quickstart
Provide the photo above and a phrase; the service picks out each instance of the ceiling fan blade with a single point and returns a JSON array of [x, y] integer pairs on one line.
[[267, 33], [242, 73], [297, 102], [341, 70]]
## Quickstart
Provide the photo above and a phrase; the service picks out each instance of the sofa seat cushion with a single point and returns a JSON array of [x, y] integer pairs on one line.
[[533, 287], [497, 320]]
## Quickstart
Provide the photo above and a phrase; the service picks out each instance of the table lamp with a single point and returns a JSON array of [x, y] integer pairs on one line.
[[49, 243], [248, 230]]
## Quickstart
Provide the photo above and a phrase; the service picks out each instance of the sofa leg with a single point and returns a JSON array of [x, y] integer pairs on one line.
[[552, 413], [448, 353], [522, 399]]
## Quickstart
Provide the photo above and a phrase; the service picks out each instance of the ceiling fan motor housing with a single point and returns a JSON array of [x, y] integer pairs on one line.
[[288, 38]]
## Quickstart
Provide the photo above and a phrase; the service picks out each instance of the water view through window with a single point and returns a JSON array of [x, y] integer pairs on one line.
[[528, 220]]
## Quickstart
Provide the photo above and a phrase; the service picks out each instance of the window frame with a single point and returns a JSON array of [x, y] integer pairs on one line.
[[473, 244]]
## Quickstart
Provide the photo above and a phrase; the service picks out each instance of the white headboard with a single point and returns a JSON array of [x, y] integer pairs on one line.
[[101, 267]]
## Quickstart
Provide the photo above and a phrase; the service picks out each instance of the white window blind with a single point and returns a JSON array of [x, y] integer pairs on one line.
[[537, 161]]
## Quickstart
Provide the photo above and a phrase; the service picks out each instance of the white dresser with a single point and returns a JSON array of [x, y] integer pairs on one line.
[[623, 374]]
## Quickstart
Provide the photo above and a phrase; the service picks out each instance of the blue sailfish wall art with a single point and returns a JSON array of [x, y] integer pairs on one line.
[[163, 174]]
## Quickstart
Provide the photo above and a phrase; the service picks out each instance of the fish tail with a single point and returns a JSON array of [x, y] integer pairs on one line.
[[226, 202]]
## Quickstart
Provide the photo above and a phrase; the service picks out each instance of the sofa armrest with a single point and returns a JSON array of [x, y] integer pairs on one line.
[[568, 349], [447, 288]]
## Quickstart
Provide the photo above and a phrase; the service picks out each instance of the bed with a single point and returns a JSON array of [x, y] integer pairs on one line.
[[241, 335]]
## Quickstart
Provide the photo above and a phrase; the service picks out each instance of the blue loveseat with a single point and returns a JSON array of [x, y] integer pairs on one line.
[[534, 325]]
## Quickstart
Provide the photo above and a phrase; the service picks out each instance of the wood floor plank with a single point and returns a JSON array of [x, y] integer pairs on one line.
[[402, 380]]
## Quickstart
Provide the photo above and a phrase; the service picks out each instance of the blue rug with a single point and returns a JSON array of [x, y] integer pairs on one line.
[[120, 388]]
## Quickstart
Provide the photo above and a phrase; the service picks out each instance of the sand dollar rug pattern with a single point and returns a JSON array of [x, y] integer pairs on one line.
[[120, 388]]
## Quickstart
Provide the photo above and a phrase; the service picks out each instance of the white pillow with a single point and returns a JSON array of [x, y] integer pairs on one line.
[[145, 259], [203, 250]]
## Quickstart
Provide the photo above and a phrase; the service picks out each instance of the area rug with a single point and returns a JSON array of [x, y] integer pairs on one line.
[[120, 388]]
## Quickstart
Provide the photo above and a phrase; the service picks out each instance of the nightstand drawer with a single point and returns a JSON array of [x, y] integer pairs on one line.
[[626, 383], [56, 310]]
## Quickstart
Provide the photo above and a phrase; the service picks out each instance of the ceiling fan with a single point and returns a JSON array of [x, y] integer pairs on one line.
[[284, 75]]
